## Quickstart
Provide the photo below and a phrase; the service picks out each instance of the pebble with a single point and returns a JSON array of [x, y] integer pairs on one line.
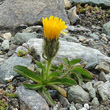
[[95, 101], [64, 101], [86, 106], [102, 77], [21, 38], [94, 36], [82, 38], [104, 91], [83, 108], [88, 86], [72, 15], [77, 94], [96, 84], [7, 35], [103, 66], [67, 4], [72, 107], [78, 106], [1, 53], [5, 45], [107, 77]]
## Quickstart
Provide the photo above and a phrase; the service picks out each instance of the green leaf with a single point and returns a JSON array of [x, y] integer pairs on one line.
[[54, 74], [47, 96], [79, 78], [86, 78], [54, 67], [82, 71], [75, 61], [60, 67], [66, 61], [33, 86], [24, 71], [63, 81], [39, 64]]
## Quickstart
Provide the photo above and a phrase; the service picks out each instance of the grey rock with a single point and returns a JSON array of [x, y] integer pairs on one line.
[[72, 50], [72, 15], [96, 84], [5, 45], [29, 12], [78, 95], [6, 69], [31, 100], [21, 38], [64, 101], [104, 91], [103, 66], [104, 3], [78, 106], [106, 28], [107, 77], [102, 77], [95, 101], [92, 93], [88, 86], [94, 36]]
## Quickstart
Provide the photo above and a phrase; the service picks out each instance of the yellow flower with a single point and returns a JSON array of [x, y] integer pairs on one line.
[[53, 27]]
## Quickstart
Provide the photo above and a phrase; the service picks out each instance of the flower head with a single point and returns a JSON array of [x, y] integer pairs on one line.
[[53, 27]]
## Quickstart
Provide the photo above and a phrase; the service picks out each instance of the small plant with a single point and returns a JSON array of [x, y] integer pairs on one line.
[[90, 10], [4, 95], [21, 53], [48, 75]]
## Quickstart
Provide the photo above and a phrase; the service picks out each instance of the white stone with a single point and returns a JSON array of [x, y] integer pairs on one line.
[[71, 50], [7, 35], [86, 106], [67, 4], [5, 45], [83, 108]]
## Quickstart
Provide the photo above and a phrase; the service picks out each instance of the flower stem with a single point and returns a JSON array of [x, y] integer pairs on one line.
[[48, 67]]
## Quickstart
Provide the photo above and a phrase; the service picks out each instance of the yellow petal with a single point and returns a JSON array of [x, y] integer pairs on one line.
[[53, 27]]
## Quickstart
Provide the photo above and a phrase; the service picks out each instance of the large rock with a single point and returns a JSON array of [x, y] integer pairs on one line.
[[106, 28], [94, 2], [78, 95], [31, 100], [72, 50], [16, 12], [6, 69]]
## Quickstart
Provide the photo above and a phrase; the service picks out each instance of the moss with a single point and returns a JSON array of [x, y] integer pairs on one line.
[[108, 12]]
